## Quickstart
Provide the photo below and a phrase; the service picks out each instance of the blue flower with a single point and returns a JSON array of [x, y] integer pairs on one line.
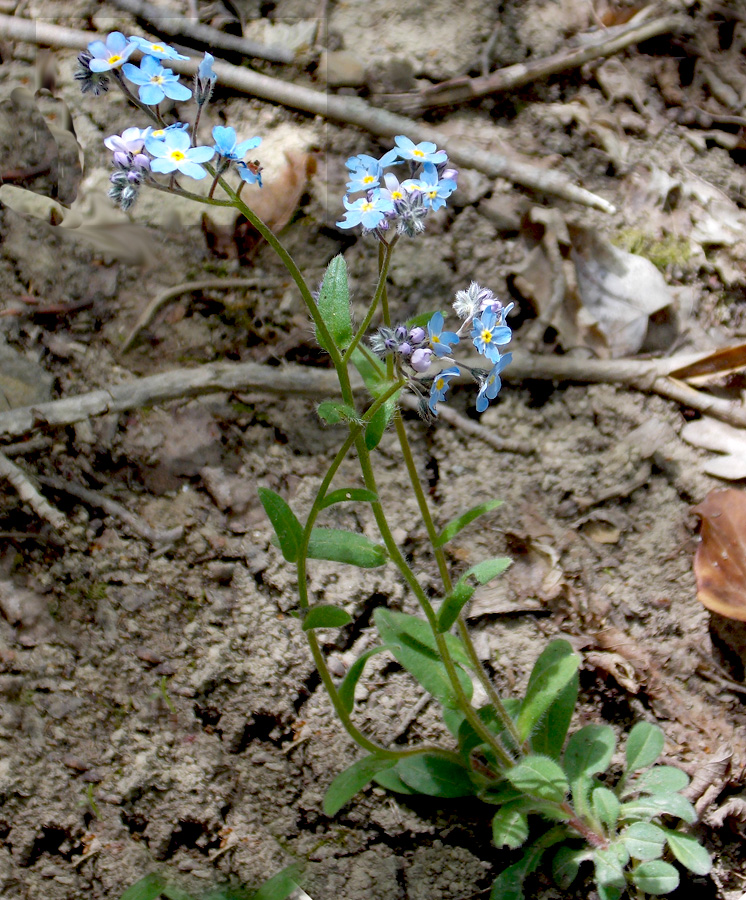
[[368, 212], [160, 133], [440, 387], [155, 82], [156, 49], [174, 154], [434, 190], [204, 71], [421, 153], [492, 384], [365, 176], [204, 82], [109, 55], [250, 172], [440, 340], [487, 335], [226, 146]]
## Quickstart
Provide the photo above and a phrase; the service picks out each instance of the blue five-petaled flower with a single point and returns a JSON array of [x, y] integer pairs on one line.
[[366, 212], [424, 152], [440, 340], [155, 82], [226, 143], [111, 54], [434, 190], [173, 154], [488, 335], [492, 383], [156, 49], [439, 388]]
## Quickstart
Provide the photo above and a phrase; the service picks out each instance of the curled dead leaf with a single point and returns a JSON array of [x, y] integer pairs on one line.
[[720, 560]]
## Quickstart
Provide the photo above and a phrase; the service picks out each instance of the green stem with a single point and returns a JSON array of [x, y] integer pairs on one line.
[[380, 291], [180, 192], [502, 713]]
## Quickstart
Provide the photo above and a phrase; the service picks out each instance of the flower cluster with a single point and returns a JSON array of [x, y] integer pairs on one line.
[[415, 348], [390, 204], [168, 150]]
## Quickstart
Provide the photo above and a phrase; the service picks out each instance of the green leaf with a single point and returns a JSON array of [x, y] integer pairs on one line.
[[647, 808], [605, 807], [468, 738], [656, 877], [343, 495], [453, 719], [334, 412], [325, 616], [371, 370], [644, 840], [689, 852], [660, 780], [334, 304], [349, 547], [435, 776], [610, 866], [347, 688], [551, 674], [609, 892], [379, 421], [172, 892], [148, 888], [487, 569], [539, 776], [566, 865], [589, 751], [509, 884], [390, 780], [280, 886], [548, 737], [353, 779], [453, 604], [644, 746], [456, 525], [286, 525], [510, 826]]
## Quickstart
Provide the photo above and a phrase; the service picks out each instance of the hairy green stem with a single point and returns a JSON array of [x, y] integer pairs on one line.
[[380, 291]]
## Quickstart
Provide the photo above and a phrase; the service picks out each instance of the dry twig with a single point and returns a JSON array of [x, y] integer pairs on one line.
[[28, 492], [339, 108]]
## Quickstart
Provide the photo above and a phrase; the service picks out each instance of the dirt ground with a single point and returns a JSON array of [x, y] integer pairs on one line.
[[160, 709]]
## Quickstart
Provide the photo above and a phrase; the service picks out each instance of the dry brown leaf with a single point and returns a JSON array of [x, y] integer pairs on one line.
[[720, 560], [279, 198], [719, 362], [730, 442]]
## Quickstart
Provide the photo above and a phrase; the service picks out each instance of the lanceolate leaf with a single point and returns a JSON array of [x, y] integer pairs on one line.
[[345, 495], [334, 304], [589, 751], [333, 412], [353, 779], [391, 780], [487, 569], [345, 547], [286, 525], [551, 674], [482, 573], [380, 420], [566, 865], [347, 688], [548, 737], [644, 746], [539, 776], [435, 776], [605, 807], [325, 617], [510, 826], [456, 525]]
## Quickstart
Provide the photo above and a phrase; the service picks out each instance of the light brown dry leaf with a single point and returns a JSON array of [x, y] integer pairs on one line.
[[730, 442], [715, 364], [720, 560], [276, 202], [619, 290]]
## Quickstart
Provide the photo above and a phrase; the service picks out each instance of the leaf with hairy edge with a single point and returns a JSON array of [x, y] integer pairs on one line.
[[656, 877], [286, 525], [510, 827], [609, 864], [380, 420], [606, 807], [347, 688], [418, 657], [416, 631], [644, 746], [644, 840], [325, 616], [334, 304], [648, 807], [689, 852], [458, 524], [588, 752], [280, 886], [460, 595], [346, 547], [148, 888], [548, 737], [551, 674], [539, 776], [333, 412], [659, 780], [346, 495], [435, 776], [353, 779]]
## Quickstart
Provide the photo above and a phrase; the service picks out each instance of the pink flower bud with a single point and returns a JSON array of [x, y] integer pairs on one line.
[[421, 360]]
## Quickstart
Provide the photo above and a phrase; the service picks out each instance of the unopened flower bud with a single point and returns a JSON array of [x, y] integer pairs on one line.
[[405, 349], [417, 335], [421, 360]]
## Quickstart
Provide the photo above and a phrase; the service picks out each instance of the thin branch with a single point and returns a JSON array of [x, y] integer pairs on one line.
[[173, 23], [464, 89], [339, 108], [28, 492], [97, 500]]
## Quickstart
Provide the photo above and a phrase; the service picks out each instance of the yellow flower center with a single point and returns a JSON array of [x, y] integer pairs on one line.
[[397, 195], [435, 339], [157, 47], [486, 335], [368, 179], [178, 155], [367, 206], [416, 152], [114, 58], [158, 133], [156, 79], [432, 193], [439, 384]]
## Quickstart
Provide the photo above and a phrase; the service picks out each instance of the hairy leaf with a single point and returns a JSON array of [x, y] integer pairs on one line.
[[286, 525], [644, 840], [458, 524], [566, 865], [345, 547], [656, 877], [334, 304], [551, 674], [647, 808], [548, 737], [689, 852], [644, 746], [347, 688], [334, 412], [510, 826], [325, 616], [539, 776], [605, 807], [435, 776], [660, 780]]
